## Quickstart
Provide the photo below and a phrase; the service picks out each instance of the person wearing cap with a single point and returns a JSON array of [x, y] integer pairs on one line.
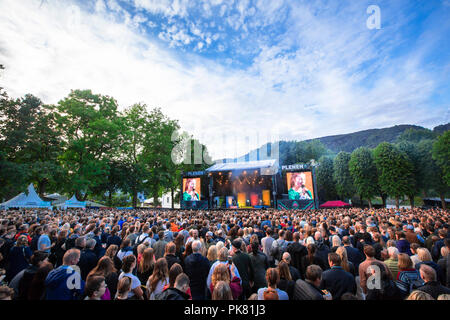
[[243, 263]]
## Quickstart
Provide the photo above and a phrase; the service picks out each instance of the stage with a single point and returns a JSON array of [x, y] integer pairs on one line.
[[249, 185]]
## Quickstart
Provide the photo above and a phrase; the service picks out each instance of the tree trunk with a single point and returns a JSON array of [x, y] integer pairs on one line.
[[41, 187], [155, 198], [411, 201], [134, 197], [370, 203], [110, 199], [444, 205], [384, 198], [172, 197], [397, 202]]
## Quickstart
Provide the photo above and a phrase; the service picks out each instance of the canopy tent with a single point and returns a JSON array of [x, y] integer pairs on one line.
[[334, 204], [73, 203], [29, 200]]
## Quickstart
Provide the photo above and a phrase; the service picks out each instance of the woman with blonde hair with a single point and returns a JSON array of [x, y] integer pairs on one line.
[[419, 295], [159, 279], [345, 264], [425, 258], [212, 255]]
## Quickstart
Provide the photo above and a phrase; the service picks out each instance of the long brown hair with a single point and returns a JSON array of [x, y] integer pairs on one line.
[[284, 271], [160, 273], [104, 267], [147, 260], [221, 273], [342, 252]]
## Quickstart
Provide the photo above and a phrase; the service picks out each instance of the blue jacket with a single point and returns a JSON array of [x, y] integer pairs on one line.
[[57, 284]]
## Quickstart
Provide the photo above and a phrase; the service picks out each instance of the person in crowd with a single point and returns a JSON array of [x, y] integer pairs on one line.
[[222, 291], [111, 252], [431, 286], [403, 245], [36, 290], [260, 263], [197, 268], [222, 273], [309, 289], [297, 251], [425, 258], [123, 289], [444, 264], [56, 283], [419, 295], [244, 265], [295, 273], [95, 288], [159, 279], [6, 293], [170, 256], [408, 278], [179, 291], [146, 265], [125, 249], [22, 281], [384, 287], [286, 283], [392, 262], [44, 242], [369, 252], [272, 279], [128, 266], [336, 280], [160, 246], [88, 258], [212, 254], [345, 264], [19, 257], [105, 268], [414, 256], [313, 258], [354, 255]]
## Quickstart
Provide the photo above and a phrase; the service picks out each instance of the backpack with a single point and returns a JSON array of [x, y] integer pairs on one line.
[[137, 243]]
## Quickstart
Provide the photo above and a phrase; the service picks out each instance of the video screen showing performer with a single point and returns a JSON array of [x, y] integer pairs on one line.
[[300, 185], [191, 189]]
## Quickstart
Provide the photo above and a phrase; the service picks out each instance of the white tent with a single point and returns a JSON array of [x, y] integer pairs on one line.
[[30, 200], [73, 203]]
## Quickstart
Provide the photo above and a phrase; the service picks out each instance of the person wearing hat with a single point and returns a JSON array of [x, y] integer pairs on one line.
[[243, 263]]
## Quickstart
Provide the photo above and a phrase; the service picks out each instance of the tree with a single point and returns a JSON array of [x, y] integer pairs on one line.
[[341, 175], [431, 175], [412, 152], [90, 126], [441, 154], [395, 171], [414, 135], [364, 173], [325, 183]]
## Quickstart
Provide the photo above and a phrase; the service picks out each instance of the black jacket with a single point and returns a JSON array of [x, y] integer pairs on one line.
[[297, 251], [171, 260], [434, 288], [338, 281], [389, 291], [305, 290], [172, 294], [260, 264], [244, 265], [88, 261], [354, 256], [196, 267]]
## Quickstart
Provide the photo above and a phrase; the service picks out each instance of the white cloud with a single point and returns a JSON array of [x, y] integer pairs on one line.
[[312, 91]]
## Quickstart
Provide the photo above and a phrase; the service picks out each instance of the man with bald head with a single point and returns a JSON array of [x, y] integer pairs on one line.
[[295, 274], [431, 286], [196, 267]]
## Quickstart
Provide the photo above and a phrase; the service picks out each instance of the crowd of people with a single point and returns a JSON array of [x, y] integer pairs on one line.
[[150, 254]]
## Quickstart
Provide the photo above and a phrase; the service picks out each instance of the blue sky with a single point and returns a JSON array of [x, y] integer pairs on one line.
[[233, 68]]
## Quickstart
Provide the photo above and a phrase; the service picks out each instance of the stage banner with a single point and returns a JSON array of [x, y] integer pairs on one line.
[[242, 199], [300, 185], [266, 197], [191, 189], [286, 204], [254, 199]]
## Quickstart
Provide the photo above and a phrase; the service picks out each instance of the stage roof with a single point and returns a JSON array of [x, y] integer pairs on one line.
[[230, 166]]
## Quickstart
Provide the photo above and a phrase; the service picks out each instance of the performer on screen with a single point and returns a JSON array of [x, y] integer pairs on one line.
[[189, 194], [298, 191]]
